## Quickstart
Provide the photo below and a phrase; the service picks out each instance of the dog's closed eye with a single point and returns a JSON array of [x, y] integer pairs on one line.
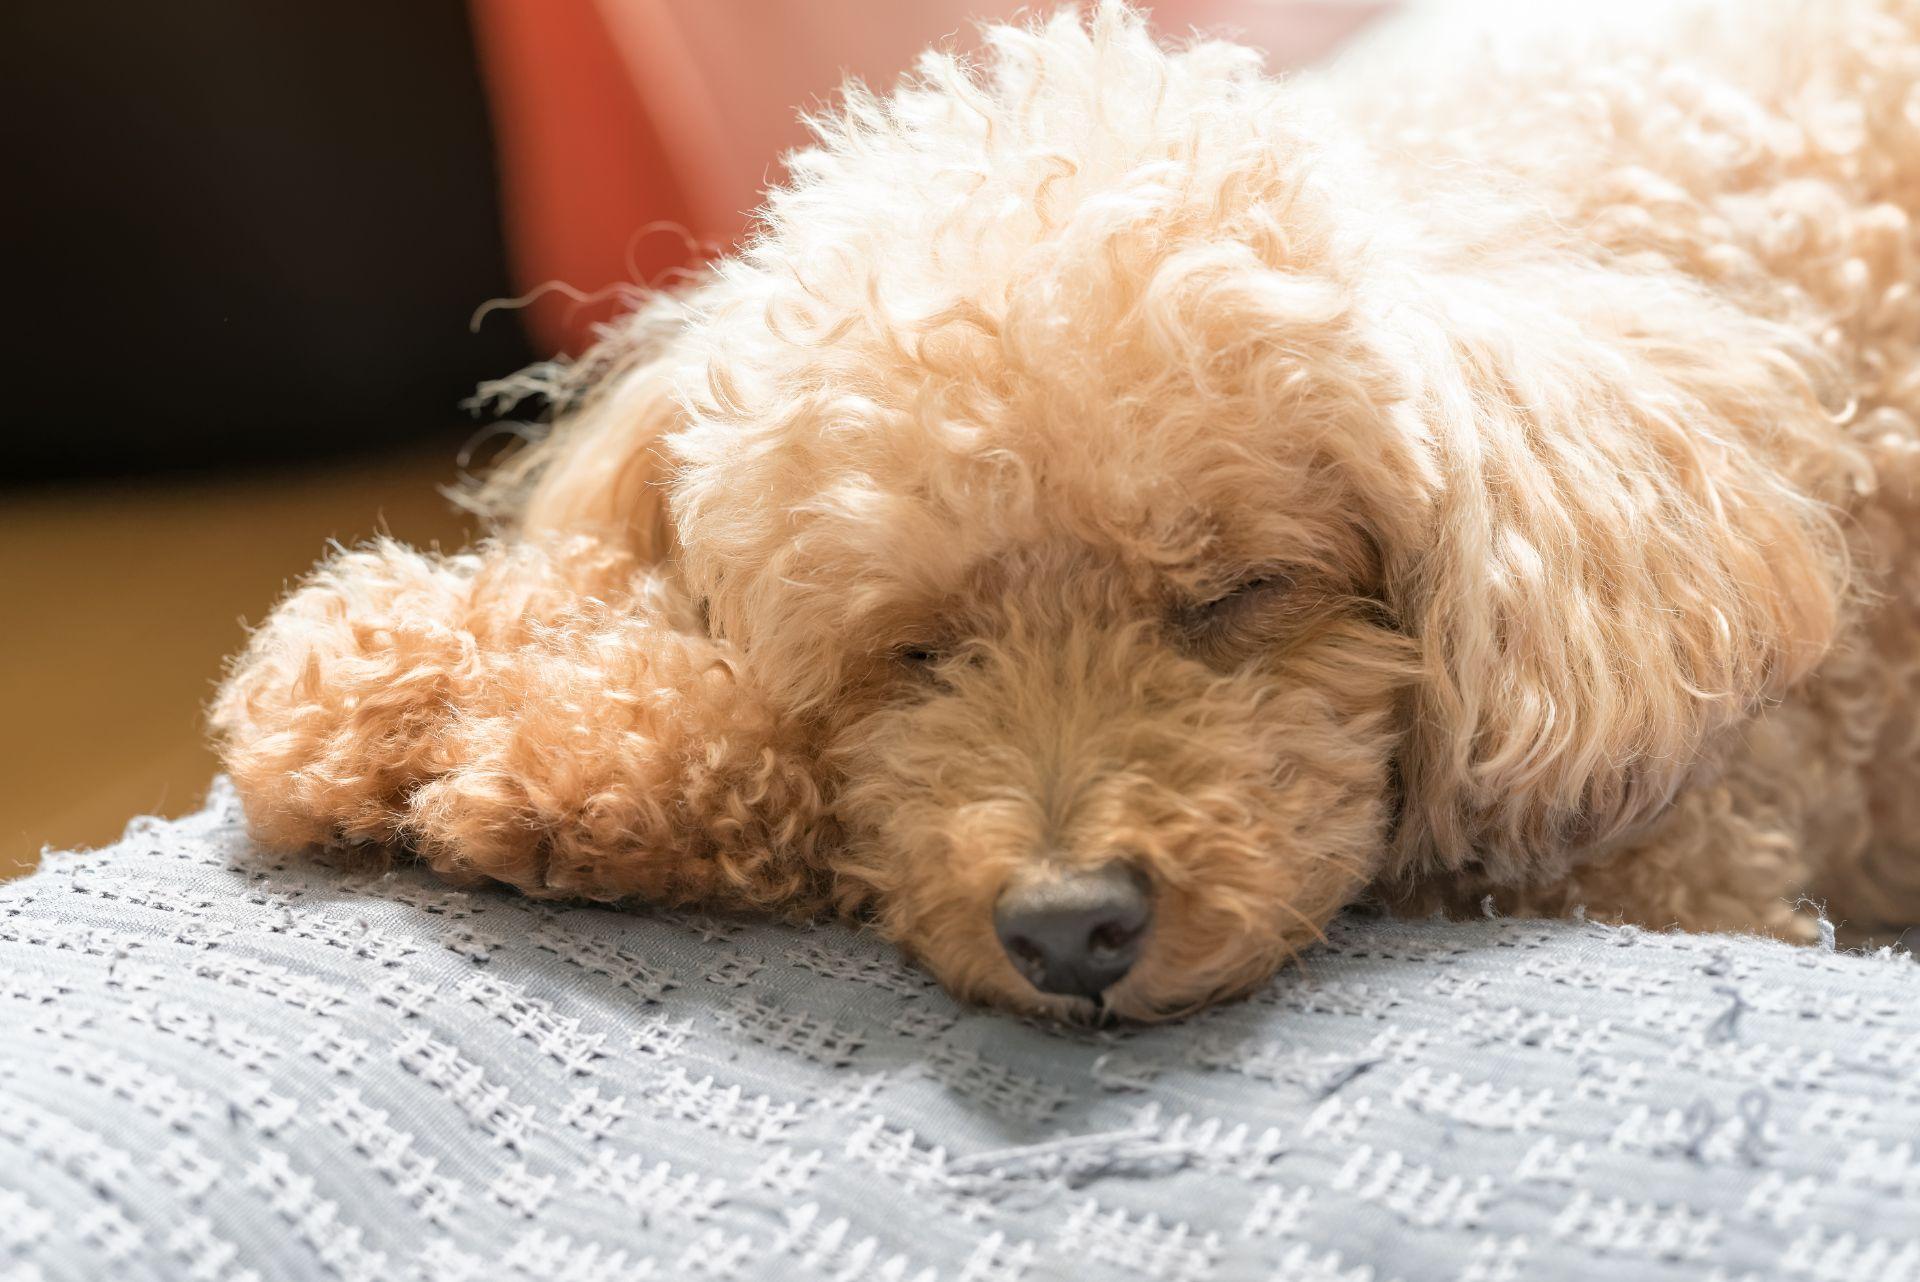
[[1226, 626], [916, 657], [1241, 594], [1251, 594], [920, 661], [933, 662]]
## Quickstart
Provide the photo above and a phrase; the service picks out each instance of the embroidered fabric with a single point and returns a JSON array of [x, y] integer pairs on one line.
[[225, 1063]]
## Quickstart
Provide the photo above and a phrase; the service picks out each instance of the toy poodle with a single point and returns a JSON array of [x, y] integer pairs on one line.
[[1120, 508]]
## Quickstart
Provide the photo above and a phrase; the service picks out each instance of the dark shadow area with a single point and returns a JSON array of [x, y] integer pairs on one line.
[[244, 234]]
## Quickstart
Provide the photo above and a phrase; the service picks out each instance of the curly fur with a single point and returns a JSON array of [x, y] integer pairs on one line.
[[1497, 482]]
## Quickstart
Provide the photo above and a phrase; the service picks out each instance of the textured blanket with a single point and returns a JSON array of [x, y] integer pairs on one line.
[[219, 1062]]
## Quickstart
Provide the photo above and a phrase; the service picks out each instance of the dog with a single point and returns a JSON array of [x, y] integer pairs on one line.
[[1121, 509]]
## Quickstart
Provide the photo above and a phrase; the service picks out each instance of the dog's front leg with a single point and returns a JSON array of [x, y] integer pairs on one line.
[[546, 716]]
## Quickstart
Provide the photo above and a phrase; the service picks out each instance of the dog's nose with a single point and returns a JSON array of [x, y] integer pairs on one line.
[[1078, 933]]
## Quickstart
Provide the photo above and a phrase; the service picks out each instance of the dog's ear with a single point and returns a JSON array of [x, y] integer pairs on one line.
[[601, 470], [1630, 551]]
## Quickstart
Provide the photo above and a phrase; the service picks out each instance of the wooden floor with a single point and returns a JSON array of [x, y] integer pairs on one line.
[[122, 602]]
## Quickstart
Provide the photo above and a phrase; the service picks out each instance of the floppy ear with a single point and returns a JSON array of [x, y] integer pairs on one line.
[[1630, 551]]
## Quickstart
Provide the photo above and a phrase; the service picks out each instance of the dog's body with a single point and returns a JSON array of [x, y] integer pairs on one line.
[[1116, 491]]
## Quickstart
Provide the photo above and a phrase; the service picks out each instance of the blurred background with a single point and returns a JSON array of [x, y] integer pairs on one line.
[[252, 257]]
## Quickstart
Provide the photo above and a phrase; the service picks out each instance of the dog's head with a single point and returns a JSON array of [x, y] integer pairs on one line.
[[1172, 527]]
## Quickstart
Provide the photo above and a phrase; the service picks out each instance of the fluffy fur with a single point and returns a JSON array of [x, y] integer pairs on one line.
[[1497, 483]]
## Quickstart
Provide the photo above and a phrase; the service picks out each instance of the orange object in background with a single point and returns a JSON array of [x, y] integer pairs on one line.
[[581, 165], [632, 132]]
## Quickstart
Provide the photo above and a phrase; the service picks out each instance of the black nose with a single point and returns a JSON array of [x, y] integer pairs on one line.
[[1077, 933]]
